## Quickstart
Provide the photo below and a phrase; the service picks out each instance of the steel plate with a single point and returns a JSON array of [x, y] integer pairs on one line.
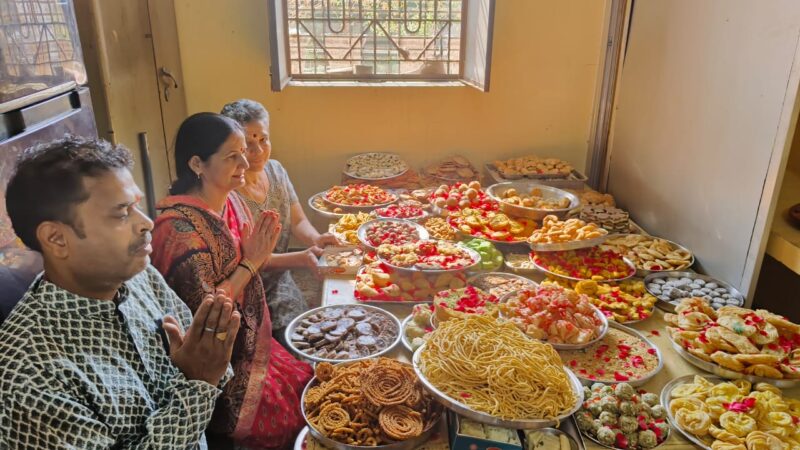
[[422, 233], [361, 155], [603, 328], [496, 190], [409, 444], [630, 265], [641, 381], [670, 307], [293, 324], [666, 396], [722, 372], [481, 417], [645, 272], [476, 259]]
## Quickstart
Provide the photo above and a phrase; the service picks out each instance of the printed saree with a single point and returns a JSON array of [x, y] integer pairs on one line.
[[196, 250]]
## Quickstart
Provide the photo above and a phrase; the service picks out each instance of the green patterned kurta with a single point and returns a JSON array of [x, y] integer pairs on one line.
[[90, 374]]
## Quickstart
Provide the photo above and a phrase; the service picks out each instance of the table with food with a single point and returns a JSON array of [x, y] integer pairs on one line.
[[528, 312]]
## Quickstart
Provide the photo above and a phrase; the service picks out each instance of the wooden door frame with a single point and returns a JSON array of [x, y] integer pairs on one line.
[[166, 51], [616, 24]]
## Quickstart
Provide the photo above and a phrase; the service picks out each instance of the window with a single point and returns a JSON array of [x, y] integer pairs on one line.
[[381, 40]]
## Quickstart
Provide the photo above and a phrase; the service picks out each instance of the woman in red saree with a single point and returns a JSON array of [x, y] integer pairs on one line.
[[205, 239]]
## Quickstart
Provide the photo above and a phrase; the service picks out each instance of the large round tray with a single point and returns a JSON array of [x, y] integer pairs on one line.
[[669, 306], [641, 381], [481, 417], [494, 191], [377, 301], [666, 396], [362, 230], [323, 213], [300, 442], [464, 236], [293, 324], [476, 259], [603, 328], [476, 279], [722, 372], [361, 155], [394, 197], [571, 245], [628, 262], [401, 445], [600, 444], [425, 215], [645, 272]]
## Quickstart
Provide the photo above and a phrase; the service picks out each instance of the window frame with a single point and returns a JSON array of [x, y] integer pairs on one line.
[[474, 67]]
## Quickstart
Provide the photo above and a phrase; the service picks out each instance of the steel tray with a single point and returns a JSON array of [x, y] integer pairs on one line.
[[722, 372], [476, 259], [495, 191], [604, 324], [361, 155], [293, 324], [630, 265], [571, 245], [409, 444], [641, 381], [666, 396], [645, 272], [669, 306], [481, 417]]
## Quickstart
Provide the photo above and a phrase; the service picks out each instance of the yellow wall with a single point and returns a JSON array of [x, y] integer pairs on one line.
[[544, 72]]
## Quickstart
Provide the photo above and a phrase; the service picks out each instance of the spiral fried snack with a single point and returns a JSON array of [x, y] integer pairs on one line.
[[369, 403], [333, 417], [387, 384], [324, 371], [400, 422]]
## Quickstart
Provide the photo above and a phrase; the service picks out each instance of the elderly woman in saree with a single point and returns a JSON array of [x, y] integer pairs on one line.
[[267, 186]]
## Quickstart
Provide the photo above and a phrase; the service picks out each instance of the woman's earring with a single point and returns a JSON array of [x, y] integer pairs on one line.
[[198, 176]]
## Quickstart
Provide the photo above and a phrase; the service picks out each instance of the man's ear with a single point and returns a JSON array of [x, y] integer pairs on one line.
[[52, 239]]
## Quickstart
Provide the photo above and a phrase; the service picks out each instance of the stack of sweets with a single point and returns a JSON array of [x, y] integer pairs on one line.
[[611, 218]]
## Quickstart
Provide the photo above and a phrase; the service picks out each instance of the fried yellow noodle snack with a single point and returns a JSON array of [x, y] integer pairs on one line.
[[493, 368], [369, 403]]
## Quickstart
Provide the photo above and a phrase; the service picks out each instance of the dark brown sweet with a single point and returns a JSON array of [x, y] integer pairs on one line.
[[344, 332]]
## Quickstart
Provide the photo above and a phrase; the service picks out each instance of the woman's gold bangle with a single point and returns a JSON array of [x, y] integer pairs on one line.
[[249, 266]]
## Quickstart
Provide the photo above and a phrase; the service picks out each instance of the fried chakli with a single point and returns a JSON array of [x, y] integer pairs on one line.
[[400, 422], [369, 403], [387, 385]]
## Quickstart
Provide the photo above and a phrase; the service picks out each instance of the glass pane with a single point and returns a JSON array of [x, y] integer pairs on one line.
[[39, 47], [368, 38]]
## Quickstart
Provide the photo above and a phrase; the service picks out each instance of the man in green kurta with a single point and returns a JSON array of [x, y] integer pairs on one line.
[[95, 354]]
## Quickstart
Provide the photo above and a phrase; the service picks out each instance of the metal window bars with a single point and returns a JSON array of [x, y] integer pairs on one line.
[[36, 39], [374, 39]]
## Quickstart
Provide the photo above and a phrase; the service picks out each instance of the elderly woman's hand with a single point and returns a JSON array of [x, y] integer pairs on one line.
[[326, 239], [309, 259]]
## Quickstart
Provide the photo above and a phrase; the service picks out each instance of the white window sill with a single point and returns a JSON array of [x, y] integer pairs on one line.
[[354, 83]]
